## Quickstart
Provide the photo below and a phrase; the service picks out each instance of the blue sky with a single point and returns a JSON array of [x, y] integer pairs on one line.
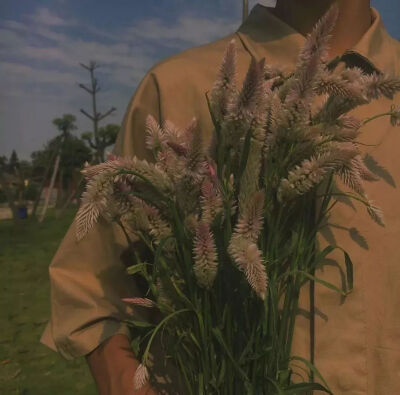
[[43, 41]]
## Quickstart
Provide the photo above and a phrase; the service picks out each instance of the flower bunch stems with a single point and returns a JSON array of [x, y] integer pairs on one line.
[[228, 231]]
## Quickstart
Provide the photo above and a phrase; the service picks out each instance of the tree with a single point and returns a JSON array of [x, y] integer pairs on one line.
[[6, 185], [73, 155], [14, 183], [106, 137], [95, 117], [13, 162]]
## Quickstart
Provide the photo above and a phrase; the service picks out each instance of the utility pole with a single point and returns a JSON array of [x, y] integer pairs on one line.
[[95, 117], [245, 10]]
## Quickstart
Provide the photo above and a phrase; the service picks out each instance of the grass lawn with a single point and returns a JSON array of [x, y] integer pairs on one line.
[[26, 366]]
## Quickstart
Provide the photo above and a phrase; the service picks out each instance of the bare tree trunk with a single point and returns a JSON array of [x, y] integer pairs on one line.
[[43, 183], [60, 191], [96, 117], [74, 193], [53, 178]]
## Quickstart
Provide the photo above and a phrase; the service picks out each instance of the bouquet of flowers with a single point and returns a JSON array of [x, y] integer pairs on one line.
[[229, 229]]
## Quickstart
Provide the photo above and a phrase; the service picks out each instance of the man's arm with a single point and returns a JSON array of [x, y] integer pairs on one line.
[[113, 366], [88, 278]]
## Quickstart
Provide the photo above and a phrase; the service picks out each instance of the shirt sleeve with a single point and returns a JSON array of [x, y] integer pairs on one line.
[[88, 278]]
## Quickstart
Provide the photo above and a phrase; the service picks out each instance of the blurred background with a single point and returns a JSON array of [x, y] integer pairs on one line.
[[57, 59]]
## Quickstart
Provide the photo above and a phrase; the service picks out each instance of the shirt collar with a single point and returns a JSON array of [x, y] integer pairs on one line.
[[265, 35]]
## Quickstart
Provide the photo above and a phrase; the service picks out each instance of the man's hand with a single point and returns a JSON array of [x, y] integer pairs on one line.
[[113, 366]]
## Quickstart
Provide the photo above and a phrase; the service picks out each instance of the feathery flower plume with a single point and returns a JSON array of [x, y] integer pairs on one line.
[[86, 218], [353, 74], [205, 256], [196, 149], [126, 167], [141, 377], [136, 218], [273, 120], [311, 59], [249, 182], [250, 222], [191, 222], [90, 171], [312, 171], [150, 172], [143, 302], [351, 177], [172, 133], [333, 84], [210, 202], [336, 106], [94, 201], [244, 107], [318, 40], [365, 174], [375, 212], [225, 85], [170, 163], [395, 115], [381, 85], [354, 172], [179, 149], [158, 227], [349, 122], [155, 136], [249, 260]]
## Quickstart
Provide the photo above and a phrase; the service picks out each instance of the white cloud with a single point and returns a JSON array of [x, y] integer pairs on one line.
[[40, 71], [22, 74], [188, 29], [43, 16]]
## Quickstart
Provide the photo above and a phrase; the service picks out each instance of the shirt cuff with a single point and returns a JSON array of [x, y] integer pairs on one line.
[[84, 341]]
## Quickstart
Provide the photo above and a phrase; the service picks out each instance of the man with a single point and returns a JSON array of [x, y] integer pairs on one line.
[[356, 342]]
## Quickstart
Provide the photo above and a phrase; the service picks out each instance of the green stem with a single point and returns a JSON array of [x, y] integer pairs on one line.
[[367, 120], [349, 195], [156, 329]]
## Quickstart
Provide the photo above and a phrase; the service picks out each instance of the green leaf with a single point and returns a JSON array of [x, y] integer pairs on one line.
[[183, 371], [138, 268], [139, 324], [323, 282], [159, 250], [181, 294], [221, 373], [157, 328], [349, 270], [279, 390], [200, 379], [348, 262], [135, 344], [215, 123], [321, 255], [311, 367], [298, 389], [195, 341], [218, 335], [326, 284]]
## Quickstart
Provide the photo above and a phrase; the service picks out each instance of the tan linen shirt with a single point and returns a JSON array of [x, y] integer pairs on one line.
[[357, 345]]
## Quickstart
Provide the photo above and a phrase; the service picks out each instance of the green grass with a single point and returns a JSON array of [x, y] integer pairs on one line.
[[26, 366]]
